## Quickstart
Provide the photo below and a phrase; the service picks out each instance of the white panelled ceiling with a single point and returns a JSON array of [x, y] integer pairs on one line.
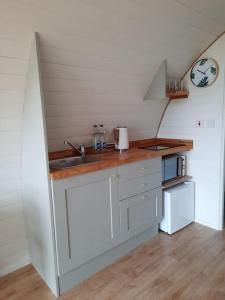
[[139, 34]]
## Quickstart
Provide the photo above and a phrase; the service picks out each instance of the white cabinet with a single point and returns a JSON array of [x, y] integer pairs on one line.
[[87, 218]]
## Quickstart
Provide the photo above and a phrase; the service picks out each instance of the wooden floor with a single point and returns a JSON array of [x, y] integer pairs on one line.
[[188, 265]]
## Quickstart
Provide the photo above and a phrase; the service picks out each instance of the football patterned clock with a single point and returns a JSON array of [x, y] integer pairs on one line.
[[204, 72]]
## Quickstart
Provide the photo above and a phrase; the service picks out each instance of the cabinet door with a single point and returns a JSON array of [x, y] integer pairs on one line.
[[86, 220], [140, 212]]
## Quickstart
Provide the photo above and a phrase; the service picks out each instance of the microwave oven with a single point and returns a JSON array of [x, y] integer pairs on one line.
[[173, 166]]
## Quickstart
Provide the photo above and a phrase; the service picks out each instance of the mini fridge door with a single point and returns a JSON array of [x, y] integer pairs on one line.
[[178, 207]]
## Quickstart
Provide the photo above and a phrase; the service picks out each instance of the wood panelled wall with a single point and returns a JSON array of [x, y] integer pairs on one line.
[[14, 55], [98, 58], [78, 97]]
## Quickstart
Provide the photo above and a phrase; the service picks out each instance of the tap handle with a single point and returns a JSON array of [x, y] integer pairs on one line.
[[82, 148]]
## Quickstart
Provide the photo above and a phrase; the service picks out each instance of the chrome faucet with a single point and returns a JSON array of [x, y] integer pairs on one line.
[[80, 149]]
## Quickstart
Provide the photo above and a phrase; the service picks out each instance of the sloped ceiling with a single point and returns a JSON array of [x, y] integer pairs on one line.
[[131, 36], [99, 56]]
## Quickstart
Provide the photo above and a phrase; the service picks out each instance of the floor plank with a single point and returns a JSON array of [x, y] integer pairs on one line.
[[187, 265]]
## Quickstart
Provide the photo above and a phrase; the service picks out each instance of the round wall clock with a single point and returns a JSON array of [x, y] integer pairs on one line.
[[204, 72]]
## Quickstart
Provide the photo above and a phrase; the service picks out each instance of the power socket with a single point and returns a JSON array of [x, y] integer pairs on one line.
[[200, 123]]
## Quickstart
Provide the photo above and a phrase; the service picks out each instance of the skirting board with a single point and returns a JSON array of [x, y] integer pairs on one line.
[[213, 226], [76, 276], [14, 267]]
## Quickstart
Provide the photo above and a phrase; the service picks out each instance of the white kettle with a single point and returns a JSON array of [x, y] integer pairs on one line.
[[121, 138]]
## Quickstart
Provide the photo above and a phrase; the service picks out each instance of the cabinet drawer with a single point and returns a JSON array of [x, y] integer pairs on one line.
[[141, 168], [139, 185], [140, 212]]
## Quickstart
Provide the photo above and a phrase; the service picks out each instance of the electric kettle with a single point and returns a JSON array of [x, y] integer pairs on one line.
[[121, 138]]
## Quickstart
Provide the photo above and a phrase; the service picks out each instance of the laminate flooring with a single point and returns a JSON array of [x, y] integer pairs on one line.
[[187, 265]]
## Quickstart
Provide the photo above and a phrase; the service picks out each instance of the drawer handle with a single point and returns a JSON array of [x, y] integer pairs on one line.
[[115, 175], [144, 184], [144, 197], [143, 168]]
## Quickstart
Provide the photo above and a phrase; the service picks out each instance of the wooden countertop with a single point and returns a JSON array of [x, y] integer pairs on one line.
[[114, 158]]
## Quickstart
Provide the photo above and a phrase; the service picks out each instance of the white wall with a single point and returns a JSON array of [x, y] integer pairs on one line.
[[206, 160], [74, 102], [14, 55]]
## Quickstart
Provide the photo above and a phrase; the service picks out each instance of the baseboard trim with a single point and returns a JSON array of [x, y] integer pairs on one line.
[[212, 226], [14, 268]]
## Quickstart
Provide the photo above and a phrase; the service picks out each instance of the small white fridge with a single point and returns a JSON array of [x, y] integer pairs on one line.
[[178, 207]]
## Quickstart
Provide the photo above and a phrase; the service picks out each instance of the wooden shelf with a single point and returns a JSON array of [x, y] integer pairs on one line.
[[158, 88], [175, 95], [169, 183]]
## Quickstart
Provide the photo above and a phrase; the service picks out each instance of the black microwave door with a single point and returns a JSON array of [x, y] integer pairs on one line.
[[170, 168]]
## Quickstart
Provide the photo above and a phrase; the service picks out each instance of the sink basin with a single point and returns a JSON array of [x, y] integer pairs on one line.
[[160, 147], [69, 162]]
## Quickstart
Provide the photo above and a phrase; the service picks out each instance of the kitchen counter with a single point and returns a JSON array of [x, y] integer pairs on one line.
[[114, 158]]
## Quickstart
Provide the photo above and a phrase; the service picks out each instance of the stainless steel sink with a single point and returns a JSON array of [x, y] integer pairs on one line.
[[69, 162]]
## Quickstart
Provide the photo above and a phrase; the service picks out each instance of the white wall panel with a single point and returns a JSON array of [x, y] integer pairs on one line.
[[11, 224], [17, 81], [206, 7], [11, 96], [11, 197], [13, 245], [14, 54], [14, 49], [11, 210], [70, 58], [13, 66], [9, 174], [80, 86], [12, 31], [10, 110], [10, 124], [134, 19], [15, 250], [10, 161], [60, 23], [9, 186], [7, 237], [52, 70], [134, 11]]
